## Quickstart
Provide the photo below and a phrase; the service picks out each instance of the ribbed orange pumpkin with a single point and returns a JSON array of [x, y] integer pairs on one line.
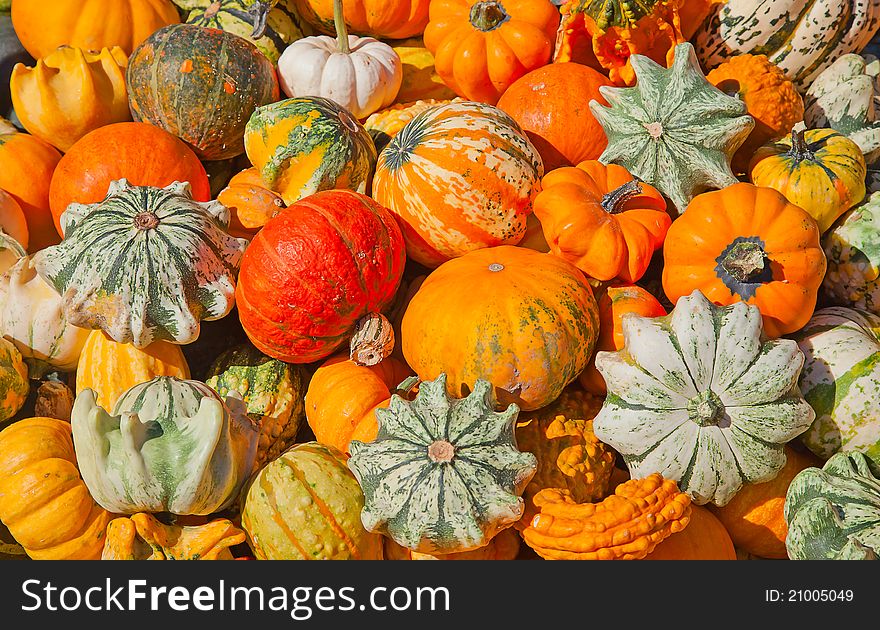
[[522, 320], [43, 500], [342, 399], [109, 368], [251, 204], [704, 538], [614, 303], [382, 19]]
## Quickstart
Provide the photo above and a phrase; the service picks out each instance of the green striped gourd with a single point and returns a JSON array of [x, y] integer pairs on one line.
[[33, 318], [701, 398], [144, 264], [170, 445], [841, 381], [305, 145], [238, 17], [852, 249], [843, 98], [305, 505], [833, 513], [443, 475], [272, 391], [802, 38], [13, 380], [674, 129]]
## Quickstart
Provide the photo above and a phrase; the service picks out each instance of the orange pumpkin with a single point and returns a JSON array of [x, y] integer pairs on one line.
[[481, 47], [747, 244], [26, 167], [754, 517], [505, 546], [12, 219], [342, 399], [602, 220], [251, 204], [551, 105], [704, 538], [382, 19], [614, 303]]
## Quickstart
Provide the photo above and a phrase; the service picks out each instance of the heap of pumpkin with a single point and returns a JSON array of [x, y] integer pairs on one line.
[[480, 273]]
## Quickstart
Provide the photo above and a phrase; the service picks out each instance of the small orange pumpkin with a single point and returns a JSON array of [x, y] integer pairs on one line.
[[602, 220], [12, 219], [747, 244], [505, 546], [251, 203], [704, 538]]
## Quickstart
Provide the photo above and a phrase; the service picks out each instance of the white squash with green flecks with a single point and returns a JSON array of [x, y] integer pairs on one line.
[[170, 445], [852, 249], [443, 475], [802, 38], [674, 129], [841, 381], [701, 398], [144, 264]]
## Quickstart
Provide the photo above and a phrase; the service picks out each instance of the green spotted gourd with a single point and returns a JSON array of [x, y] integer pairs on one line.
[[702, 398], [852, 249], [14, 386], [144, 264], [443, 475], [169, 445]]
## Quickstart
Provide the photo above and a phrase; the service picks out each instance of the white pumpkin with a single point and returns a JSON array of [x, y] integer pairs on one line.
[[32, 317], [360, 73]]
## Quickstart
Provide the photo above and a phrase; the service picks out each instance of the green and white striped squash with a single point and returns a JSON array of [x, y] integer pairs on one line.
[[144, 264], [238, 17], [169, 445], [844, 98], [673, 129], [833, 513], [852, 249], [700, 397], [802, 38], [306, 505], [273, 392], [13, 380], [443, 475], [32, 317], [841, 381]]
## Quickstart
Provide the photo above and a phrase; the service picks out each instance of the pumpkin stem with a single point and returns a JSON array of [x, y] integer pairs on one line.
[[260, 12], [145, 220], [372, 341], [613, 202], [487, 16], [800, 150], [341, 28], [745, 261], [441, 452], [706, 408]]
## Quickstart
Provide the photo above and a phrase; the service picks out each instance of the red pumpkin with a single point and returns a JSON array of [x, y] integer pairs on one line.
[[314, 270], [143, 154]]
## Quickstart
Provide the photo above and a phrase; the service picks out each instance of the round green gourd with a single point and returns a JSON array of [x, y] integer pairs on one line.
[[13, 380], [170, 445], [273, 392], [305, 505], [443, 475], [674, 129], [852, 248], [701, 398], [833, 513], [144, 264], [841, 381]]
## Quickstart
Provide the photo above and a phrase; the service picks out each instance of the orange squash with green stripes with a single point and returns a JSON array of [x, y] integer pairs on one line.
[[459, 177], [306, 505]]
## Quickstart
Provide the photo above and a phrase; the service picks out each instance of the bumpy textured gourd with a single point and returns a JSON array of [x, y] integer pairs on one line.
[[700, 397], [170, 445], [674, 129], [833, 513], [852, 248], [14, 386], [437, 446], [144, 264], [144, 537], [841, 381]]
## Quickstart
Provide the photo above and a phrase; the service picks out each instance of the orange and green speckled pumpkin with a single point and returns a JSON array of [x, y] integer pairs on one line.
[[459, 177], [13, 380], [525, 321], [306, 505], [200, 84], [110, 368], [302, 146], [143, 537], [43, 500]]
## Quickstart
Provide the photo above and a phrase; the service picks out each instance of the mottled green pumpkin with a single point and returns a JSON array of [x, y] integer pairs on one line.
[[13, 380], [306, 505], [833, 513], [305, 145], [272, 390], [201, 85], [852, 248]]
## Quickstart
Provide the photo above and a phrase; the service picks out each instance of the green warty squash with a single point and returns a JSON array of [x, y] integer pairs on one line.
[[852, 249], [13, 380]]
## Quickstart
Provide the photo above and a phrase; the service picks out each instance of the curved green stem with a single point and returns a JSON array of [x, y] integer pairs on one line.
[[341, 28]]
